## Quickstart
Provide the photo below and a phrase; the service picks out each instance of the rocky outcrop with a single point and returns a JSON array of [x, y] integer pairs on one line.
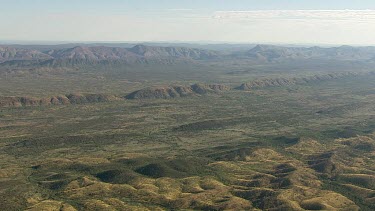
[[89, 98], [176, 91], [207, 88], [31, 101], [55, 100], [274, 82], [160, 92]]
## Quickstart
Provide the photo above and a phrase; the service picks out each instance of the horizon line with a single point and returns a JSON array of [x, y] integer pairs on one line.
[[203, 42]]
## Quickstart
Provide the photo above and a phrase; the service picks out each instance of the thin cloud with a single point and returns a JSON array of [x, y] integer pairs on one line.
[[328, 15], [283, 26], [179, 9]]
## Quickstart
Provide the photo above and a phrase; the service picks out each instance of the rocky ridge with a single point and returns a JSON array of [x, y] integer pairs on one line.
[[169, 92], [277, 82], [55, 100], [176, 91]]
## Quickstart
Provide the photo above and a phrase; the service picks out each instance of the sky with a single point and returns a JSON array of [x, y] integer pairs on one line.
[[223, 21]]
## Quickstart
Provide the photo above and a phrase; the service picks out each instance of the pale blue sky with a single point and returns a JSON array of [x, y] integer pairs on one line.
[[252, 21], [140, 5]]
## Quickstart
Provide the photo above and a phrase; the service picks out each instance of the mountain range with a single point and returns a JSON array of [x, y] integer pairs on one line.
[[279, 53], [100, 54], [18, 55]]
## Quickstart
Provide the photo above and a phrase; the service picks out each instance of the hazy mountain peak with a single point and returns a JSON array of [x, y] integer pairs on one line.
[[143, 49], [9, 53]]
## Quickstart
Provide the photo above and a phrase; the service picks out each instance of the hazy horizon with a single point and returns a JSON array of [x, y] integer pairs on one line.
[[280, 22], [172, 42]]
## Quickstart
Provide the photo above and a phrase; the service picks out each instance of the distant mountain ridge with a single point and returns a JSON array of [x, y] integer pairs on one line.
[[175, 52], [166, 55], [272, 53], [98, 54], [10, 54], [93, 54]]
